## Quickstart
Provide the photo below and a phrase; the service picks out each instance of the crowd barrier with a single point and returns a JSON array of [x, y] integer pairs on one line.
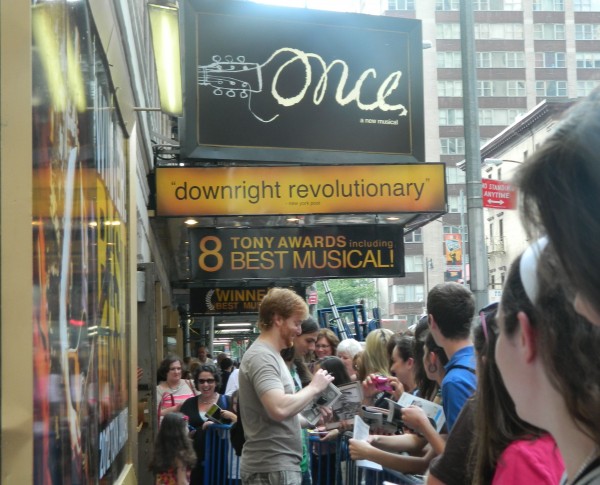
[[330, 463], [221, 464]]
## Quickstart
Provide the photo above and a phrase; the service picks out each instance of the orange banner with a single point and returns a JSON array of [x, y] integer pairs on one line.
[[335, 189]]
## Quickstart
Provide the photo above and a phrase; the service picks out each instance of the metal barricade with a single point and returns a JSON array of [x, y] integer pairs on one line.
[[355, 475], [330, 463], [221, 464]]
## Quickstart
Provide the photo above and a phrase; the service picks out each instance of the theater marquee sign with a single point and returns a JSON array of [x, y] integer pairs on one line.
[[309, 252], [284, 84], [230, 300], [417, 187]]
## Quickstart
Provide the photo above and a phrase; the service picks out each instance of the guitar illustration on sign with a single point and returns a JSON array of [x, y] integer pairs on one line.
[[234, 77]]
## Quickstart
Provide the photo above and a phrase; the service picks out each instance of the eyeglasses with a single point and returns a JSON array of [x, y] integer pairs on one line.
[[322, 346], [206, 381]]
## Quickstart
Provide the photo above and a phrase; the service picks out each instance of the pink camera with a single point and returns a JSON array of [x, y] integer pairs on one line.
[[382, 383]]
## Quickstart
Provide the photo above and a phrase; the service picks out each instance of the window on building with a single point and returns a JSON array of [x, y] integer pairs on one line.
[[587, 31], [454, 175], [498, 117], [549, 5], [452, 146], [584, 88], [501, 88], [454, 204], [498, 31], [483, 59], [413, 237], [449, 59], [447, 5], [407, 293], [447, 31], [401, 5], [450, 88], [496, 5], [451, 117], [456, 230], [484, 88], [500, 59], [513, 5], [515, 88], [501, 229], [413, 264], [549, 31], [550, 59], [551, 88], [586, 5], [587, 60]]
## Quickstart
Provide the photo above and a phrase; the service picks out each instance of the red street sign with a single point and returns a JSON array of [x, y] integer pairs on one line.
[[498, 194], [313, 298]]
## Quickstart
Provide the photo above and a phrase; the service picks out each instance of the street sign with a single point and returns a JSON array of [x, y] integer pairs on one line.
[[498, 194]]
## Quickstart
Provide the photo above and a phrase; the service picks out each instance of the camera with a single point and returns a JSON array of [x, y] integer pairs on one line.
[[382, 383]]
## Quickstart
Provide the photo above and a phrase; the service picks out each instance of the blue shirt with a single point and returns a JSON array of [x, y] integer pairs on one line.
[[458, 384]]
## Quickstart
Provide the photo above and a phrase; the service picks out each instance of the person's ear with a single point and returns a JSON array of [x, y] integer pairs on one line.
[[277, 320], [527, 338], [432, 322], [410, 362]]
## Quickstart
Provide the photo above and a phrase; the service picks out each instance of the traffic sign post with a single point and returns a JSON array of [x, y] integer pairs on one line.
[[498, 194]]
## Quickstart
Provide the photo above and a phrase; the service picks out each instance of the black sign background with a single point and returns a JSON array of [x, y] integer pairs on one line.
[[230, 300], [242, 36], [302, 252]]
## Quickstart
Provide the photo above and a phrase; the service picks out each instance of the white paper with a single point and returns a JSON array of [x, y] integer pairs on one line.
[[361, 433], [432, 410]]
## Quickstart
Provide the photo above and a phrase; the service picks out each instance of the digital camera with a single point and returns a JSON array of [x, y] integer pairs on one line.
[[382, 383]]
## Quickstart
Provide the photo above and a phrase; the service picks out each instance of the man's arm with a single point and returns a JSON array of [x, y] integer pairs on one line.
[[280, 406]]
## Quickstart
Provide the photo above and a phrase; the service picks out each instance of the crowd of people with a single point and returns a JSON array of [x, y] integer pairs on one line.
[[518, 381]]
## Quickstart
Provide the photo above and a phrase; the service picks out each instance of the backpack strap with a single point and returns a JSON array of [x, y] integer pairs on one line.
[[460, 366]]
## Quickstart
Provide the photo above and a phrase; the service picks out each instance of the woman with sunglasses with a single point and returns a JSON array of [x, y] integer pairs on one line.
[[206, 380]]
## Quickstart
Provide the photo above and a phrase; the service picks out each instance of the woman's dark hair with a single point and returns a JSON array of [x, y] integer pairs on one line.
[[310, 326], [558, 192], [496, 421], [335, 366], [211, 368], [165, 365], [288, 355], [405, 345], [436, 349], [427, 388], [567, 343], [172, 447]]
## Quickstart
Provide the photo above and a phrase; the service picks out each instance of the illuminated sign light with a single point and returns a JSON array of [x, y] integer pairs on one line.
[[230, 300], [306, 252], [301, 190], [279, 84]]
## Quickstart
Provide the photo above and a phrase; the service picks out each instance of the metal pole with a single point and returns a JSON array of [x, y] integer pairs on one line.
[[211, 345], [462, 235], [477, 251]]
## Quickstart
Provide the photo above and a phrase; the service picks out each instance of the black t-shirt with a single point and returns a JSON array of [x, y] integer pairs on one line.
[[451, 466]]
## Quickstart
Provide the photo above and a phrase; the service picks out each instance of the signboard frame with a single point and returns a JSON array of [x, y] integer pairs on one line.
[[353, 107], [234, 191], [307, 253]]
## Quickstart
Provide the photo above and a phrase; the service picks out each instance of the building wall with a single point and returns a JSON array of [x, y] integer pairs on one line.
[[562, 76]]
